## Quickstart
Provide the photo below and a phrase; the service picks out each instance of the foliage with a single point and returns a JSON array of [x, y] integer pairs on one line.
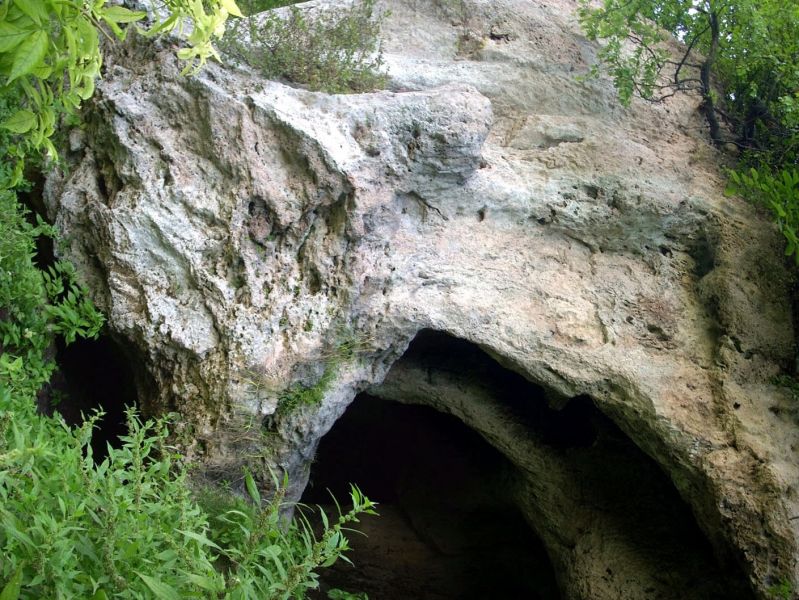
[[129, 527], [779, 192], [337, 594], [299, 395], [782, 591], [35, 304], [347, 346], [750, 46], [50, 57], [741, 57], [269, 557], [334, 52], [789, 383]]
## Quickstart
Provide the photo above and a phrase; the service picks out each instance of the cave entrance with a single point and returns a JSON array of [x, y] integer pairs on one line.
[[447, 526], [94, 375], [458, 514]]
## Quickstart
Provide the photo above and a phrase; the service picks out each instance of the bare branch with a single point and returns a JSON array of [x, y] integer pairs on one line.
[[688, 51]]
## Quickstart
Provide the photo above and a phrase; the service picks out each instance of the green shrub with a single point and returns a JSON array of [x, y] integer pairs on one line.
[[333, 52], [35, 304], [252, 7], [269, 557], [129, 526], [779, 192]]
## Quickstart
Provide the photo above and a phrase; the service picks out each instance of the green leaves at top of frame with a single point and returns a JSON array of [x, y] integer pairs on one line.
[[29, 55], [35, 10]]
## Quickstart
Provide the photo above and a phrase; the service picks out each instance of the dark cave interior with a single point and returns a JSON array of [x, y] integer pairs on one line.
[[449, 527], [94, 375], [446, 529]]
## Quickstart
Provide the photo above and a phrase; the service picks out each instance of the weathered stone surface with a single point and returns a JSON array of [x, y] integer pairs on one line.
[[242, 236]]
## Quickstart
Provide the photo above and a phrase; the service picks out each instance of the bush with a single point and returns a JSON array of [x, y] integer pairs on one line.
[[251, 7], [332, 52], [779, 192], [129, 527], [35, 304]]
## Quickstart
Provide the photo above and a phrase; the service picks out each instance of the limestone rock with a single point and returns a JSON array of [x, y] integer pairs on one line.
[[244, 237]]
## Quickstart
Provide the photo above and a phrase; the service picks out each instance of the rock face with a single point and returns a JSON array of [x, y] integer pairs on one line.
[[245, 238]]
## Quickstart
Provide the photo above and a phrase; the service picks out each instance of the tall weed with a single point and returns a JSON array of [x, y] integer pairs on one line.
[[129, 526]]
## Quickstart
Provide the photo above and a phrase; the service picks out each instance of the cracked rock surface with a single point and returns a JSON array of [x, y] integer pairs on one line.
[[245, 237]]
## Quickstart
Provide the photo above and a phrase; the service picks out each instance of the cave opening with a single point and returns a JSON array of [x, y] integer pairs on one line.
[[447, 527], [490, 489], [94, 375]]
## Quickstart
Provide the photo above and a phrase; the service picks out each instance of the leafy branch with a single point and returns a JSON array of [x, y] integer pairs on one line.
[[50, 57]]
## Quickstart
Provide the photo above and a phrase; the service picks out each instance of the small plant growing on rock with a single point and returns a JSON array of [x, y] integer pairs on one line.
[[332, 52], [346, 348], [252, 7], [299, 395], [782, 591]]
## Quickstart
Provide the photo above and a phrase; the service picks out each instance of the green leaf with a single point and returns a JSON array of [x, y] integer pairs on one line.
[[120, 14], [252, 489], [29, 55], [165, 25], [34, 9], [21, 121], [206, 583], [199, 538], [231, 7], [160, 589], [12, 589], [11, 36]]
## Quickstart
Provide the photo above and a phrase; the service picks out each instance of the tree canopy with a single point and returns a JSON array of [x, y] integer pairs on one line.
[[741, 57]]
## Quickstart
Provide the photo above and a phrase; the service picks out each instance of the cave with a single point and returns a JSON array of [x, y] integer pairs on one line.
[[463, 515], [445, 528], [94, 375]]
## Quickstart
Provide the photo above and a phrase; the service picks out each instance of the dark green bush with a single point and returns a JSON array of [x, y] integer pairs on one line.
[[333, 52]]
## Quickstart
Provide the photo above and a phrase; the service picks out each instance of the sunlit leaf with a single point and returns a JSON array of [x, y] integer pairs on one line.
[[21, 121], [120, 14], [11, 36], [35, 9], [29, 54], [161, 590]]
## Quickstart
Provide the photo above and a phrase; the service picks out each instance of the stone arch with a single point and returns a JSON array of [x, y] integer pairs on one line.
[[612, 523]]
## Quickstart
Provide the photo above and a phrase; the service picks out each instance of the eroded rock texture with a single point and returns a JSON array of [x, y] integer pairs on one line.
[[244, 237]]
